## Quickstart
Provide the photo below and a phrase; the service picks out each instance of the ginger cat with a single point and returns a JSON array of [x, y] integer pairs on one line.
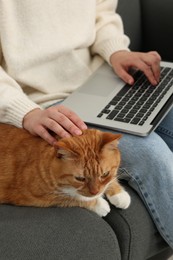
[[77, 171]]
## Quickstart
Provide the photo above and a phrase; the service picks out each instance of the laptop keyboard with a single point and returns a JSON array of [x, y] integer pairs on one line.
[[134, 104]]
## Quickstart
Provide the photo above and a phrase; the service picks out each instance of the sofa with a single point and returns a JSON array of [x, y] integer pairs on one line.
[[28, 233]]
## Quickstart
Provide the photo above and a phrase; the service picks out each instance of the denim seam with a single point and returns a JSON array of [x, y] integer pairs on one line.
[[167, 132], [148, 201]]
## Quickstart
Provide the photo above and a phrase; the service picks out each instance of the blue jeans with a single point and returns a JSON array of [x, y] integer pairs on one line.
[[147, 165]]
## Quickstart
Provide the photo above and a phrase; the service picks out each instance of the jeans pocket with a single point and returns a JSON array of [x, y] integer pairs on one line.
[[123, 174]]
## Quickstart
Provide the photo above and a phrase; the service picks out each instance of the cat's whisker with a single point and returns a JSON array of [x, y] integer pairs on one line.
[[73, 193], [118, 177], [107, 186]]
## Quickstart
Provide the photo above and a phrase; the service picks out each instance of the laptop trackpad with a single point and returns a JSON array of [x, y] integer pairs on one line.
[[99, 85]]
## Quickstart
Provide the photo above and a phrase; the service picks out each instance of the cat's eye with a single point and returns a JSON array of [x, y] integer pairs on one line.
[[80, 178], [105, 174]]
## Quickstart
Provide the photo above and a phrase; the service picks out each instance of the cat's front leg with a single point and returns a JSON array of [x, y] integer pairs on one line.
[[118, 196], [101, 207], [97, 205]]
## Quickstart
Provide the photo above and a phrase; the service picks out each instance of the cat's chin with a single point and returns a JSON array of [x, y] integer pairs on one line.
[[86, 198], [72, 192]]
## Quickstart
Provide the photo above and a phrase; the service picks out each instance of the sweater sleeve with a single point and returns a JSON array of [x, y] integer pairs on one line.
[[110, 35], [14, 104]]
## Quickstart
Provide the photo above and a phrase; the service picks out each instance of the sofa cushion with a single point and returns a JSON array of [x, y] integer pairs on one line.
[[55, 233]]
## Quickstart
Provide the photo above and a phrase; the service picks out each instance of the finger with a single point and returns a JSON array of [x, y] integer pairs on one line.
[[124, 75], [42, 132], [147, 70], [156, 54], [156, 71], [153, 60], [62, 126], [73, 117], [56, 120], [59, 123]]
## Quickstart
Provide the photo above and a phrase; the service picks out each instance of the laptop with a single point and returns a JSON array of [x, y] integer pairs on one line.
[[107, 102]]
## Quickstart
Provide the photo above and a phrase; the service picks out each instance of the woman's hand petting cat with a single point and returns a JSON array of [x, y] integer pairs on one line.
[[59, 119], [148, 62]]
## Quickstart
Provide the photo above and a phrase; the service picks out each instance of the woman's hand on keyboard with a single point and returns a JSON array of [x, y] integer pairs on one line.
[[149, 62]]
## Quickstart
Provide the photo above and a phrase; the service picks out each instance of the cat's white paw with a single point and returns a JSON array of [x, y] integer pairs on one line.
[[121, 200], [102, 207]]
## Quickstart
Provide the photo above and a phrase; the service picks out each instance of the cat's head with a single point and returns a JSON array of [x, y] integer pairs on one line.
[[88, 163]]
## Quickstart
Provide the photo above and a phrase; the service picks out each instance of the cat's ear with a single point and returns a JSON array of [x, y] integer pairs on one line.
[[110, 140], [63, 151]]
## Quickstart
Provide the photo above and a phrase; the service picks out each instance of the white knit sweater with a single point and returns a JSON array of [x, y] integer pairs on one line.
[[49, 48]]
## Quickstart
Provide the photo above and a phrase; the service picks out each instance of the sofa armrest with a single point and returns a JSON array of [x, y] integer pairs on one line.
[[137, 235], [55, 233]]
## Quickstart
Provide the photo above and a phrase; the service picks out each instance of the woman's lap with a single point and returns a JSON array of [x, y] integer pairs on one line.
[[165, 129]]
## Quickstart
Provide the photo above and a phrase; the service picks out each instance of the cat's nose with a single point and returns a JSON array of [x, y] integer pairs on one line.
[[94, 191]]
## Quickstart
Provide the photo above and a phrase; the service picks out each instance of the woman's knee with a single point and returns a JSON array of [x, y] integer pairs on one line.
[[145, 152]]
